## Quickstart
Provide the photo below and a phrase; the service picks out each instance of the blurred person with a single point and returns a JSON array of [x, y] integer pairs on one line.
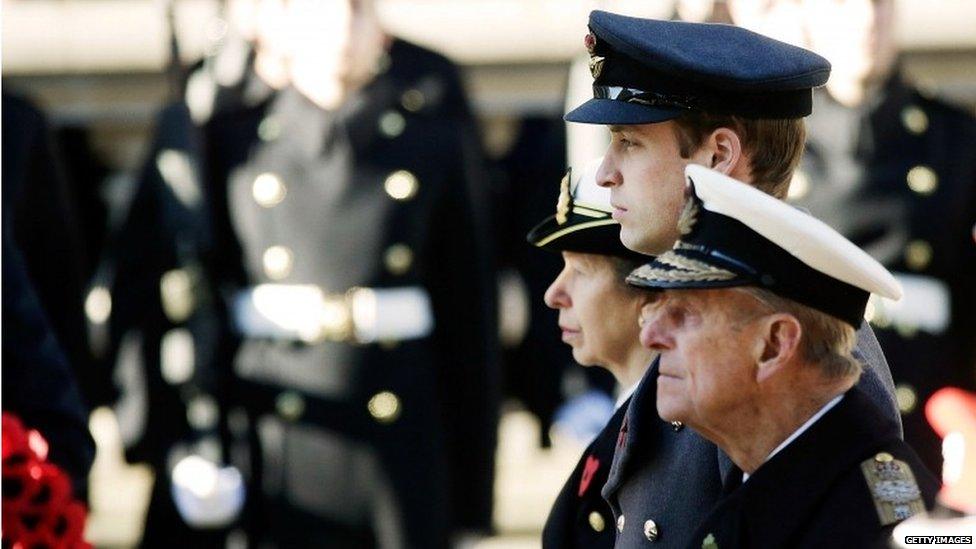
[[817, 463], [336, 218], [38, 382], [691, 99], [894, 170], [45, 209], [596, 318]]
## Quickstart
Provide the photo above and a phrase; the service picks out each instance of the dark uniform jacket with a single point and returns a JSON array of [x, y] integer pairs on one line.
[[46, 229], [388, 442], [844, 482], [665, 479], [580, 517], [897, 176], [165, 334], [38, 384]]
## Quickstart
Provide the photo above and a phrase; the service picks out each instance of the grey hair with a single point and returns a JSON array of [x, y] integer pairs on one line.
[[826, 341]]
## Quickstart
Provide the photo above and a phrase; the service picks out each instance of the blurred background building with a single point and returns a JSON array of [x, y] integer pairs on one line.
[[102, 69]]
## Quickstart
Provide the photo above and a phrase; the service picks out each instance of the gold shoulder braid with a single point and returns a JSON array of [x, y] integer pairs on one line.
[[565, 202], [893, 487]]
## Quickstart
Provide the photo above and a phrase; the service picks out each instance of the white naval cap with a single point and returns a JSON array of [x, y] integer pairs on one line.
[[733, 234]]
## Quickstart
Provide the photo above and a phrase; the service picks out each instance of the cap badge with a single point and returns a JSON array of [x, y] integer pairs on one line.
[[590, 42], [596, 66], [565, 202], [596, 61], [689, 214]]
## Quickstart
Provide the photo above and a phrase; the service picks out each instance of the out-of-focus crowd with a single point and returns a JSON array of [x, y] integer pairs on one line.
[[307, 306]]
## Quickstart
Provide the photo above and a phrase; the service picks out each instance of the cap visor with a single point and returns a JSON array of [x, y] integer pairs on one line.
[[673, 270], [609, 111], [581, 234]]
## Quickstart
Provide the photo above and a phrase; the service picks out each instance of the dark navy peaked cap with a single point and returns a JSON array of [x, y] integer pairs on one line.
[[647, 71]]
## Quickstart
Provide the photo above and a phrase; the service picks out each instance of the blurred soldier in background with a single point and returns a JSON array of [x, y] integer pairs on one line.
[[322, 184], [894, 170], [46, 228], [38, 382]]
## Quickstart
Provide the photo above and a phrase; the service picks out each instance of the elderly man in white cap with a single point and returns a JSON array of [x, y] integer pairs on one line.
[[818, 464]]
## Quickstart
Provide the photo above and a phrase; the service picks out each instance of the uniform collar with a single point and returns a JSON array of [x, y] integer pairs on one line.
[[813, 419], [798, 476]]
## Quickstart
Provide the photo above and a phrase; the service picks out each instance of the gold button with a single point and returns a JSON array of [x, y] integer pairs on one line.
[[398, 259], [907, 398], [915, 120], [268, 190], [337, 321], [401, 185], [799, 186], [413, 100], [278, 262], [290, 405], [176, 356], [922, 180], [202, 413], [176, 291], [918, 255], [620, 523], [384, 407], [596, 521], [650, 530], [392, 124], [884, 457], [98, 305], [269, 129]]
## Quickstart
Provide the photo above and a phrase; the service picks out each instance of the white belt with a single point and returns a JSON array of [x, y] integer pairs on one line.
[[925, 306], [304, 312]]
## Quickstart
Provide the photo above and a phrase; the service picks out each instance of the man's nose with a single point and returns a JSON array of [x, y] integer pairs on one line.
[[607, 175], [654, 332]]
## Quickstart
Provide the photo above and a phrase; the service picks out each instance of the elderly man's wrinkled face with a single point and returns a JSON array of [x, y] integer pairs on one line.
[[710, 343]]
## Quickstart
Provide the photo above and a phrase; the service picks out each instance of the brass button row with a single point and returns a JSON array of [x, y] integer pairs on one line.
[[385, 406]]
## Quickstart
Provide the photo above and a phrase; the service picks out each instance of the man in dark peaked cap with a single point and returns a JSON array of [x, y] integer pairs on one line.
[[675, 94]]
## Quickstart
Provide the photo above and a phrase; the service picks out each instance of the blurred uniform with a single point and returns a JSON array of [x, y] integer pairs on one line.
[[354, 259], [46, 228], [38, 381], [897, 176], [151, 309]]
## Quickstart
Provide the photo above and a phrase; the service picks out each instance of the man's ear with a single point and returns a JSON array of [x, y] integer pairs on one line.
[[726, 152], [780, 343]]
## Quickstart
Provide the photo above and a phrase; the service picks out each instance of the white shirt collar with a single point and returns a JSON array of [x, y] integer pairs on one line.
[[625, 394], [813, 419]]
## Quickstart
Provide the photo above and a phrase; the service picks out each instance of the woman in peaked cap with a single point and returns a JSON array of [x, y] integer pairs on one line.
[[597, 313]]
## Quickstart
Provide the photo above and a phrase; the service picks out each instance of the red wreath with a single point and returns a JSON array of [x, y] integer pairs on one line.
[[38, 508]]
